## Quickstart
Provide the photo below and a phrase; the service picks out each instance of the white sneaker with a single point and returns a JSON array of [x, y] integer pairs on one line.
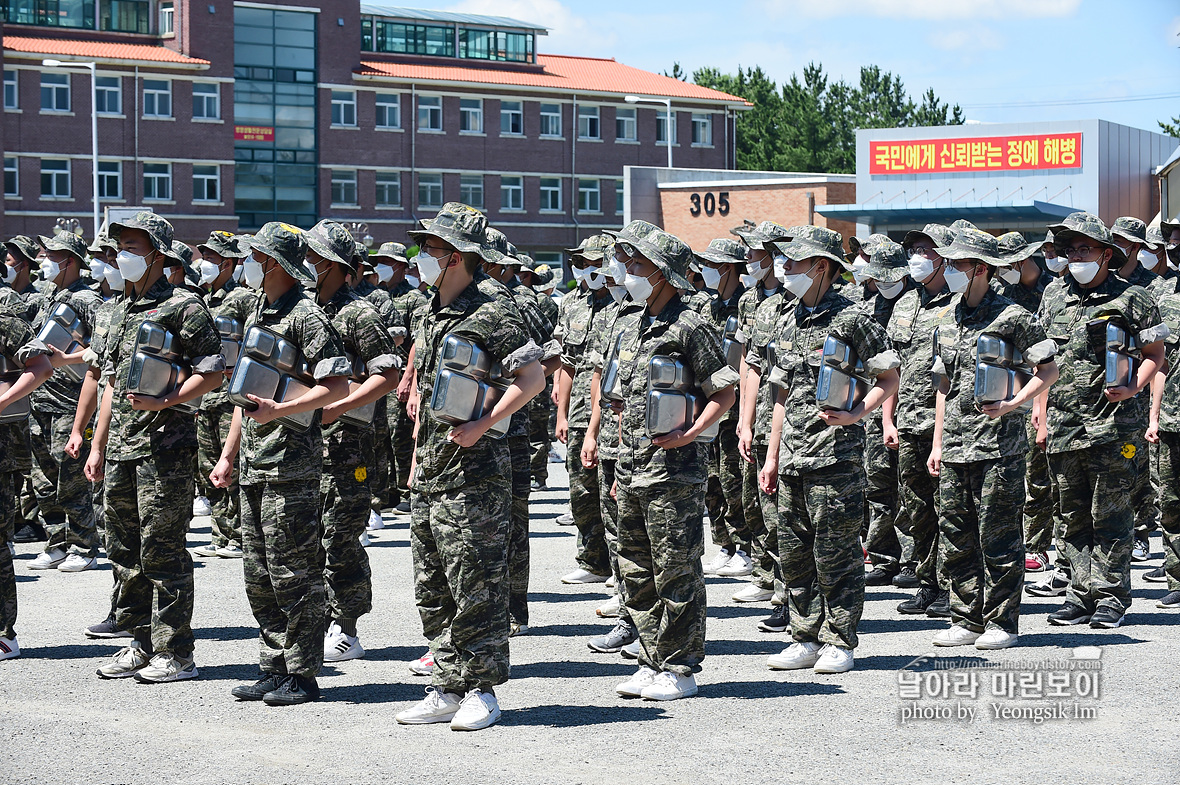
[[435, 707], [609, 609], [834, 659], [639, 681], [794, 657], [375, 521], [126, 662], [166, 667], [611, 582], [477, 711], [565, 519], [48, 560], [720, 560], [955, 636], [230, 551], [202, 507], [76, 562], [9, 648], [752, 593], [424, 665], [995, 638], [582, 576], [339, 647], [669, 686], [364, 539], [738, 565], [208, 550]]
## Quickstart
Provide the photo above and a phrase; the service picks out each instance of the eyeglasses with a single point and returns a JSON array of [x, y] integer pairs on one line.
[[430, 248], [1077, 251], [922, 251]]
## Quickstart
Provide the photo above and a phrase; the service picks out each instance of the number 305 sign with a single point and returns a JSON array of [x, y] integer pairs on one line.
[[709, 204]]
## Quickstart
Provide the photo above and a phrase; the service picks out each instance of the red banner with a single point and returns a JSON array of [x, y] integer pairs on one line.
[[254, 133], [986, 154]]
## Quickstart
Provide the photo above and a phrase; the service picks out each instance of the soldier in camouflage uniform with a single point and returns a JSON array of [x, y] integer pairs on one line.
[[460, 517], [814, 456], [1090, 428], [401, 427], [978, 447], [22, 261], [348, 438], [542, 406], [220, 255], [281, 471], [1163, 432], [145, 449]]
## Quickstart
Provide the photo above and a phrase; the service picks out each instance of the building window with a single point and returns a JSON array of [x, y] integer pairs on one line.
[[110, 180], [389, 189], [11, 177], [157, 182], [662, 128], [55, 92], [167, 19], [430, 191], [496, 45], [157, 98], [471, 115], [11, 94], [511, 117], [619, 197], [589, 198], [343, 107], [206, 101], [702, 129], [471, 190], [55, 178], [625, 124], [206, 184], [588, 122], [50, 13], [401, 38], [126, 16], [511, 193], [551, 120], [109, 95], [550, 194], [344, 186], [389, 110], [430, 113]]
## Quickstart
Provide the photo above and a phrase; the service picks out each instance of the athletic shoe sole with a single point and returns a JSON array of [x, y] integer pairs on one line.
[[1069, 622], [182, 675]]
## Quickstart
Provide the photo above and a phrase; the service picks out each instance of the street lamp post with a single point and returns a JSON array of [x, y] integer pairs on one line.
[[93, 68], [667, 103]]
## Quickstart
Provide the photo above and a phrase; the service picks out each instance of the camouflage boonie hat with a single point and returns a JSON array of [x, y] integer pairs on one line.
[[1048, 240], [1089, 226], [1131, 229], [1015, 248], [811, 241], [186, 260], [935, 233], [394, 251], [496, 249], [333, 242], [23, 245], [974, 244], [1167, 227], [224, 244], [102, 244], [544, 277], [857, 246], [594, 247], [723, 251], [670, 255], [762, 234], [1155, 237], [64, 241], [514, 257], [461, 226], [962, 224], [633, 232], [286, 245], [157, 227], [888, 263]]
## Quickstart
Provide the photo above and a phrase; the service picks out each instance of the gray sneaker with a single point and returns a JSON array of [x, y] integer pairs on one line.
[[632, 650], [105, 629], [622, 634], [127, 661], [208, 550], [167, 667]]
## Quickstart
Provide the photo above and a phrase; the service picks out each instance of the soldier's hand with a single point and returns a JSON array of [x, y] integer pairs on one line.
[[265, 412], [468, 433], [1035, 419], [222, 473], [589, 452], [616, 407], [889, 435], [146, 403], [934, 462], [673, 440], [1153, 433], [1116, 394], [58, 358], [562, 431], [330, 413], [74, 445], [94, 469], [835, 418], [412, 406], [614, 490], [745, 442], [997, 409], [404, 387], [1042, 435]]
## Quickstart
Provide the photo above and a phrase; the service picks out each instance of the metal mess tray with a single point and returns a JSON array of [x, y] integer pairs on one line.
[[467, 386], [673, 400], [610, 385], [231, 332], [362, 415], [65, 330], [1000, 371], [730, 346], [840, 385], [157, 365], [10, 372], [1122, 351], [272, 368]]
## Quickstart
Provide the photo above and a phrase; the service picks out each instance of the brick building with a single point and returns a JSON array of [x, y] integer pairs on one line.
[[227, 115]]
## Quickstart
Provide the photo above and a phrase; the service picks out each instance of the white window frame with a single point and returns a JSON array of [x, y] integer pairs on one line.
[[57, 89], [167, 20], [110, 172], [157, 177], [589, 196], [548, 187], [509, 111], [156, 94], [471, 115], [702, 120], [12, 164], [626, 124], [343, 109], [432, 111], [546, 117], [11, 88], [620, 197], [384, 103], [206, 178], [55, 173], [593, 122], [471, 185], [661, 121], [511, 193], [430, 180], [206, 99], [105, 90], [343, 186], [384, 180]]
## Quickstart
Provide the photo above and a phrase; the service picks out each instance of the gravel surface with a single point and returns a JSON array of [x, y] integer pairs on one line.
[[562, 722]]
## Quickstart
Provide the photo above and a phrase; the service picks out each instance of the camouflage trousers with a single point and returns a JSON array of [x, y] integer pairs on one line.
[[8, 511], [724, 493], [212, 430], [917, 519], [148, 505], [761, 514], [820, 518], [345, 495], [1169, 501], [1097, 522], [882, 542], [1038, 497], [518, 533], [586, 508], [979, 514], [283, 566], [379, 469], [63, 492], [661, 542], [1143, 497], [459, 541], [401, 434], [540, 439], [610, 521]]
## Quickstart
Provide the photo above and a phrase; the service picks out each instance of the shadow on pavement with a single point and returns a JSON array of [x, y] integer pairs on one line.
[[552, 534], [1067, 639], [375, 543], [375, 693], [583, 595], [763, 646], [577, 716], [571, 630], [902, 624], [771, 688], [737, 611], [72, 651], [225, 634], [610, 665], [894, 662], [245, 673], [395, 653]]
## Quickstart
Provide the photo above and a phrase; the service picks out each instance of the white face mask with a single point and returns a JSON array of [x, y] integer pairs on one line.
[[429, 268], [616, 270], [9, 274], [858, 270], [236, 275], [779, 267], [413, 280], [209, 272], [384, 273], [757, 270], [50, 269], [252, 274], [114, 278], [749, 281], [1084, 272], [798, 284], [131, 267], [307, 265], [97, 269], [921, 268], [168, 271], [1147, 260], [890, 291], [1010, 275], [617, 292], [956, 280], [1057, 264], [711, 276], [596, 278], [639, 288]]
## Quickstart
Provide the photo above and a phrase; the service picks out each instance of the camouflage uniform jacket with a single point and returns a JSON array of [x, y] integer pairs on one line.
[[380, 298], [767, 319], [911, 329], [617, 319], [38, 305], [969, 435], [1080, 416], [808, 443], [717, 315], [700, 301], [19, 343], [1156, 285], [1169, 306], [678, 332], [485, 315], [549, 309], [581, 316], [273, 452], [237, 302], [1029, 299], [136, 434], [748, 305], [530, 316], [59, 395]]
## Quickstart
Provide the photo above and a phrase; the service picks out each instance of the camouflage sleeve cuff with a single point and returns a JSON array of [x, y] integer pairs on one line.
[[939, 367], [1153, 334], [551, 349], [880, 363], [332, 366], [723, 378], [211, 363], [1041, 352], [397, 331], [383, 362], [32, 349], [754, 359], [740, 336], [518, 359], [90, 357], [778, 376]]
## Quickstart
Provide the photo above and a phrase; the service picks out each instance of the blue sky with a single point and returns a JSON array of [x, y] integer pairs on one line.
[[1001, 60]]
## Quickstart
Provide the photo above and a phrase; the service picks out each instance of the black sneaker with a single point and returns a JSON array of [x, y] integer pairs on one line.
[[30, 532], [922, 600], [1156, 576], [1169, 600], [941, 607], [1054, 585], [292, 691], [105, 629], [1106, 617], [259, 689], [778, 620], [879, 576], [1068, 615], [1140, 549], [403, 506], [906, 579]]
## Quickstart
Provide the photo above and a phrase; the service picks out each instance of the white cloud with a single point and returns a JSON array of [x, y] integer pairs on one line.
[[965, 10], [973, 41]]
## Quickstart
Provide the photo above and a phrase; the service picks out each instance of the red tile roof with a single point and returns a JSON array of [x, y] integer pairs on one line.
[[558, 72], [99, 50]]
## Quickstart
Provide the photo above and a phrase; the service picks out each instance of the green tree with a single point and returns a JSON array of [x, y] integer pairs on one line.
[[758, 129], [1172, 128]]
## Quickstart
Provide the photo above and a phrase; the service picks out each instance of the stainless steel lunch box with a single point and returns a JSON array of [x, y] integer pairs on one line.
[[157, 366], [230, 330], [18, 410], [840, 385], [730, 347], [610, 385], [273, 368], [999, 371], [65, 330], [467, 385], [673, 400], [1121, 352]]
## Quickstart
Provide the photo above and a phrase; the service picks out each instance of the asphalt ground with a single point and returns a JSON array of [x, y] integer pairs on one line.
[[562, 721]]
